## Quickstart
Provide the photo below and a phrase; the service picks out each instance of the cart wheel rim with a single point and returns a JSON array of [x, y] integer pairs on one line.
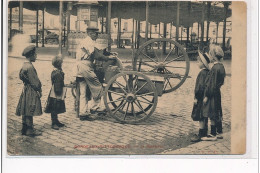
[[165, 62], [135, 104], [116, 105]]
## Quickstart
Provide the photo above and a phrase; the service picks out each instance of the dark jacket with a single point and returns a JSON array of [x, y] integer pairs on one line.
[[214, 81], [29, 103], [197, 111]]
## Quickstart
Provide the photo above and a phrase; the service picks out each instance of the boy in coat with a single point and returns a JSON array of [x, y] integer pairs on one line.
[[29, 103]]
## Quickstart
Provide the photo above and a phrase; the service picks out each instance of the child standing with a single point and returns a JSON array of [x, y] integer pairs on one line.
[[212, 101], [56, 105], [197, 114], [29, 103]]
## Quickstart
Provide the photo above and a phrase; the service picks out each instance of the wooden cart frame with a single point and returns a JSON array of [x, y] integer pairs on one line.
[[130, 96]]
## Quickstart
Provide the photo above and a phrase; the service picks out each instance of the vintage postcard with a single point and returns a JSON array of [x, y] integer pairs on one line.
[[126, 78]]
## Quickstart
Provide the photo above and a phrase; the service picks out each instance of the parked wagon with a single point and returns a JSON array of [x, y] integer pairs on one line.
[[131, 95]]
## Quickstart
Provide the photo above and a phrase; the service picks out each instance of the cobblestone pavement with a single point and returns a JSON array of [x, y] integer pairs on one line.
[[168, 129], [221, 146]]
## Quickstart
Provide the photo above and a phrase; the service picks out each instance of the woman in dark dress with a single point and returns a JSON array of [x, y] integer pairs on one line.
[[212, 101], [29, 103], [197, 112], [56, 105]]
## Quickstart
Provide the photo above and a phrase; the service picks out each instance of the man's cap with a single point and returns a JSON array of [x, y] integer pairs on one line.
[[204, 59], [29, 50], [92, 29]]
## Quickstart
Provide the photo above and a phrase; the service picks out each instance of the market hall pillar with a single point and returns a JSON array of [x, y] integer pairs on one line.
[[109, 24], [60, 27], [146, 20], [43, 39], [164, 36], [177, 24], [37, 24], [208, 19], [188, 27], [10, 23], [177, 21], [69, 8], [21, 16], [202, 23], [225, 24]]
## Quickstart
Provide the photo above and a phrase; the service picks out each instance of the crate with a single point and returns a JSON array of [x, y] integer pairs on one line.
[[158, 82]]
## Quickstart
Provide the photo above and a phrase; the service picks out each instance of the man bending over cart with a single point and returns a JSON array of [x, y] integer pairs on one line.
[[90, 86]]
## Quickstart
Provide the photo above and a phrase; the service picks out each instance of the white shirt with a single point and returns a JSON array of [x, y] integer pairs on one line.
[[89, 46]]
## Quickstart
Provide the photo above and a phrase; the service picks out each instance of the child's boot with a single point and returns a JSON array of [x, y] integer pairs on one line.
[[206, 127], [32, 132], [24, 129], [211, 136], [24, 125], [54, 122], [205, 132], [197, 138], [58, 123], [54, 126], [219, 130]]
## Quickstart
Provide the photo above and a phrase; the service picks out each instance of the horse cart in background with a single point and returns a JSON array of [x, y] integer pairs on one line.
[[130, 95]]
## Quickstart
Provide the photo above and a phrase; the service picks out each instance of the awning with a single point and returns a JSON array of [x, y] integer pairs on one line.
[[164, 12], [160, 11]]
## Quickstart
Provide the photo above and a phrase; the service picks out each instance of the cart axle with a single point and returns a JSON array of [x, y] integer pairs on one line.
[[130, 97]]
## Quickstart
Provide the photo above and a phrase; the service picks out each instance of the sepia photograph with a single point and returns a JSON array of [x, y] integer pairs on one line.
[[126, 78]]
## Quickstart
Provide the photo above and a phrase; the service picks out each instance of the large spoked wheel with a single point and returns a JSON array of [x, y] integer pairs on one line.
[[163, 57], [116, 104], [130, 97]]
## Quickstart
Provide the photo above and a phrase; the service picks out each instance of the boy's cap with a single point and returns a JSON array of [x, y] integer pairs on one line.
[[204, 59], [28, 50]]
